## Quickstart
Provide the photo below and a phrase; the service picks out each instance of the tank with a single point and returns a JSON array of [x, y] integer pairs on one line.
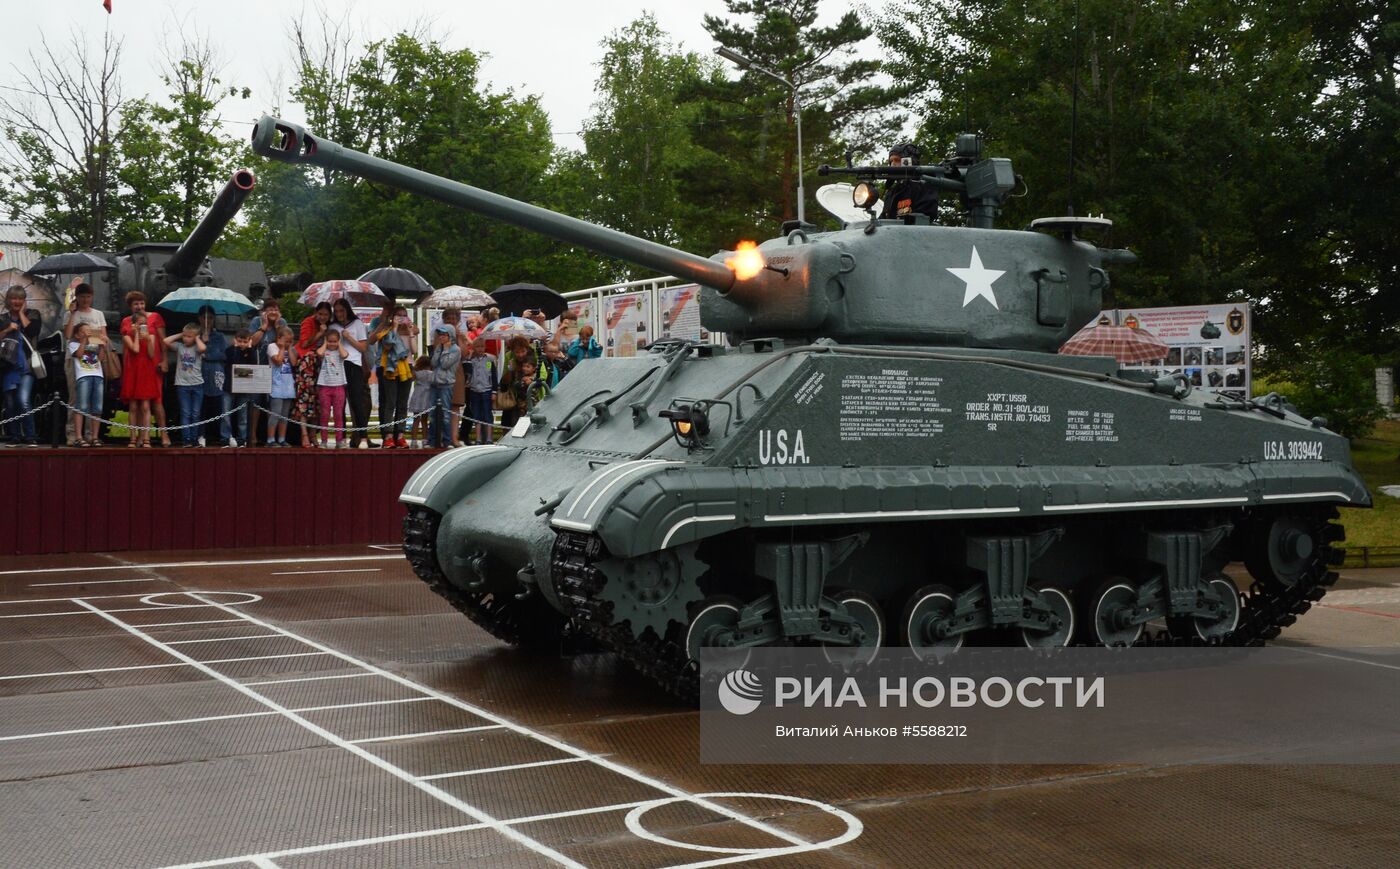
[[889, 451], [157, 268]]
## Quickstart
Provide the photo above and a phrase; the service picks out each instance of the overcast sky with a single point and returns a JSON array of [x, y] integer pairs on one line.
[[545, 47]]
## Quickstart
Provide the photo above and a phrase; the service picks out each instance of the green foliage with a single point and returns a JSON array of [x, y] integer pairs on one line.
[[1208, 130], [418, 103], [293, 311], [1324, 379], [748, 127]]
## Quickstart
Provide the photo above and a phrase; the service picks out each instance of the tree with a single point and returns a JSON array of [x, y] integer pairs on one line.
[[638, 141], [61, 157], [844, 106], [411, 100]]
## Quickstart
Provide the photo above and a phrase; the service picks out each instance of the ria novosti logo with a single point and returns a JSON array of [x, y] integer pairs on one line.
[[740, 692]]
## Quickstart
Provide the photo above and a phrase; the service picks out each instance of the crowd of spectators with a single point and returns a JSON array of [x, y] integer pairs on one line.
[[441, 392]]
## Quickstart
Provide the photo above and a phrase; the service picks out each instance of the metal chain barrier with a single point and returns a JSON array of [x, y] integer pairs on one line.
[[149, 428], [30, 412]]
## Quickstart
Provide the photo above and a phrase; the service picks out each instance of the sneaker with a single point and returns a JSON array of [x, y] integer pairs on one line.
[[232, 442], [364, 445], [401, 444], [200, 442], [342, 445]]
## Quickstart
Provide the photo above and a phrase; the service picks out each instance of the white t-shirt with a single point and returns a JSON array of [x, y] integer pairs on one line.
[[355, 330], [89, 364]]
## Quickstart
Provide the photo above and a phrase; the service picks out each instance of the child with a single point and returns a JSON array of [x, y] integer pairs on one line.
[[482, 384], [189, 381], [446, 359], [330, 387], [87, 352], [140, 377], [284, 387], [421, 400], [241, 353], [585, 346]]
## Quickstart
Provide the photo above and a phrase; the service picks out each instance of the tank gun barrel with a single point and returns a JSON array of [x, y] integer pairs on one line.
[[186, 260], [282, 140]]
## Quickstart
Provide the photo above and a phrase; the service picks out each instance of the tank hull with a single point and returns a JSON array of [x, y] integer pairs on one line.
[[1006, 479]]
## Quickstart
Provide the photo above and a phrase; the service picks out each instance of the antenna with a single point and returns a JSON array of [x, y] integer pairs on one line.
[[1074, 108]]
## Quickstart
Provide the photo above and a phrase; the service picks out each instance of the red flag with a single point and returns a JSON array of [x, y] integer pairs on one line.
[[107, 4]]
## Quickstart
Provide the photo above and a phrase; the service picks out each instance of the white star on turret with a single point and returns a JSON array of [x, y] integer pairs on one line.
[[979, 280]]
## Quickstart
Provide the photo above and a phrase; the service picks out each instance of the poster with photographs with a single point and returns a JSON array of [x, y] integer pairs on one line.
[[1208, 343], [625, 318], [680, 313]]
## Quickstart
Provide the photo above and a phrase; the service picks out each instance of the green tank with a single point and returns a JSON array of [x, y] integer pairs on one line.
[[889, 452]]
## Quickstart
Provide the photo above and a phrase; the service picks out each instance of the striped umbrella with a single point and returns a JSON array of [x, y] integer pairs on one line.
[[508, 327], [362, 294], [1127, 345], [457, 296]]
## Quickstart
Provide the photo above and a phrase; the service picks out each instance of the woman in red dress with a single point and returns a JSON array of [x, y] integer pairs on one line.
[[140, 377]]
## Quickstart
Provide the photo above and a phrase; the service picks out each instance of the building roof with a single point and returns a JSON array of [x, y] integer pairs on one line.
[[17, 232]]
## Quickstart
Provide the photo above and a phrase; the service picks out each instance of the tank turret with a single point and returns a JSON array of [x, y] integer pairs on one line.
[[903, 281]]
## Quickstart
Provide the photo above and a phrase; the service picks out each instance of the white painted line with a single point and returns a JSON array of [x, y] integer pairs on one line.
[[263, 863], [347, 570], [98, 581], [415, 735], [223, 639], [387, 547], [154, 666], [402, 837], [306, 678], [432, 790], [357, 705], [1341, 495], [164, 564], [1342, 658], [105, 728], [666, 541], [173, 624], [520, 729], [137, 609], [490, 769], [97, 597], [200, 720]]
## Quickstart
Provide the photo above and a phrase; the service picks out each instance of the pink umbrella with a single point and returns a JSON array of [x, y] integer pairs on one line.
[[362, 294], [1123, 343]]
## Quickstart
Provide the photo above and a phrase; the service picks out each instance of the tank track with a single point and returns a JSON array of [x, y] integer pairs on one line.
[[1266, 608], [578, 582], [505, 619]]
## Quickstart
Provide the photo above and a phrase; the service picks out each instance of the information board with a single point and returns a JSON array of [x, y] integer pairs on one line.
[[1217, 364], [680, 313], [625, 319]]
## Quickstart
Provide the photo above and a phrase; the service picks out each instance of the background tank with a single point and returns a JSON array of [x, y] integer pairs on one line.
[[891, 454], [157, 268]]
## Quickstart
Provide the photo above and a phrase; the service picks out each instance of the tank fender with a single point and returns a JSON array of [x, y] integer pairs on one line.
[[641, 508], [447, 477]]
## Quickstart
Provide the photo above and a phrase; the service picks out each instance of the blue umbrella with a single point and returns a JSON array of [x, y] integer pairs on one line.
[[189, 300]]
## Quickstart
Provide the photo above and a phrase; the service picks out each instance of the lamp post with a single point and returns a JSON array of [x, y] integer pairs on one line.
[[744, 63]]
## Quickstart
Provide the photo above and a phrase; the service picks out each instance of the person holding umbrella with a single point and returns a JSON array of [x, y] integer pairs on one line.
[[214, 367], [80, 313], [19, 329]]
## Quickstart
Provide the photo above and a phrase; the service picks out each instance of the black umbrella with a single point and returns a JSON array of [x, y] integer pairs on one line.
[[398, 282], [519, 298], [71, 264]]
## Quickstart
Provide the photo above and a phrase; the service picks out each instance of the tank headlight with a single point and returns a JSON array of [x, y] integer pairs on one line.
[[689, 424], [864, 195]]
